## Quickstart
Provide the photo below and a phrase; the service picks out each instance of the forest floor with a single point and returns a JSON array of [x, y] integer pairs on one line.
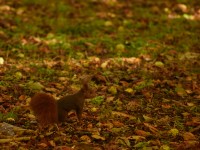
[[144, 59]]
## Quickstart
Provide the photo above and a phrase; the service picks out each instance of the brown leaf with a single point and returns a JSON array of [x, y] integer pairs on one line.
[[99, 78], [85, 138], [43, 145], [189, 145], [151, 128], [166, 106], [22, 97], [63, 148], [120, 114], [52, 143], [180, 90], [142, 133], [98, 137], [187, 136], [117, 124], [124, 83]]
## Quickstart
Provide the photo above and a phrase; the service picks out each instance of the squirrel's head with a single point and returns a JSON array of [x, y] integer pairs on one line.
[[87, 90]]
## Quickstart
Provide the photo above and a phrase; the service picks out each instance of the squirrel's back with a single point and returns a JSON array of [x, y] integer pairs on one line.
[[45, 108]]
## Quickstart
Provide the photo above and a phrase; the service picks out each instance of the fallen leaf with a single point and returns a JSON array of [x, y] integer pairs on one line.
[[129, 90], [174, 132], [190, 104], [164, 147], [43, 145], [98, 137], [112, 90], [147, 118], [137, 138], [1, 61], [85, 138], [159, 64], [123, 115], [52, 143], [187, 136], [22, 97], [117, 124], [124, 141], [151, 128], [180, 90], [142, 133]]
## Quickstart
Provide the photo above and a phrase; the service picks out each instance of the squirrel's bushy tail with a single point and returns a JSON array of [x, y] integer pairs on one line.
[[45, 108]]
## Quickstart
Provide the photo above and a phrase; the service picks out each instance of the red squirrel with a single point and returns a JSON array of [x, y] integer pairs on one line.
[[48, 110]]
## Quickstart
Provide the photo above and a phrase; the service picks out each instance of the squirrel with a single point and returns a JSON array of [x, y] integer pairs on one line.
[[48, 110]]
